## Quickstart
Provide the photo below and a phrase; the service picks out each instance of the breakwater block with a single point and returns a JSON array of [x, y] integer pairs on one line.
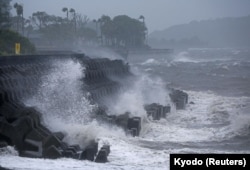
[[179, 98], [90, 152], [24, 130], [134, 126], [102, 156], [103, 153], [52, 152], [22, 126], [157, 111]]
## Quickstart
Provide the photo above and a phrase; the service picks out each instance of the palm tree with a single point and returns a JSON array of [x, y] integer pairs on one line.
[[146, 31], [142, 18], [19, 11], [67, 12], [102, 21], [74, 17], [95, 21], [40, 19], [72, 11]]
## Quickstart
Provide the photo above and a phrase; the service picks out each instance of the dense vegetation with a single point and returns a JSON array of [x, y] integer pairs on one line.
[[8, 38], [121, 31], [4, 14], [48, 31]]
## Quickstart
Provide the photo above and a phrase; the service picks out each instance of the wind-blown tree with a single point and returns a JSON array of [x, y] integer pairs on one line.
[[123, 31], [28, 27], [96, 25], [87, 35], [73, 13], [67, 12], [63, 31], [81, 20], [129, 31], [5, 8], [57, 30], [40, 19], [142, 18], [143, 21], [19, 12], [105, 26]]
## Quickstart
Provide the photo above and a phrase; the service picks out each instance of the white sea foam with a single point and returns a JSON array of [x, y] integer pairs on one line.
[[183, 56], [212, 118], [61, 100], [144, 90], [150, 61]]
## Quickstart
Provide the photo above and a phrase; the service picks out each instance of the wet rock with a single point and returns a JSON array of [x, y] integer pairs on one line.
[[59, 135], [51, 140], [102, 156], [157, 111], [52, 152], [134, 125], [179, 98], [122, 120], [90, 152], [32, 149], [107, 148], [68, 153], [23, 127]]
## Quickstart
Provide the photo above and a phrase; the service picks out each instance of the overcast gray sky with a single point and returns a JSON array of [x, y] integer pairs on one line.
[[159, 14]]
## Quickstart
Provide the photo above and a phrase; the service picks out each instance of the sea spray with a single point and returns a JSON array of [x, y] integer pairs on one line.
[[142, 91], [61, 98], [210, 118]]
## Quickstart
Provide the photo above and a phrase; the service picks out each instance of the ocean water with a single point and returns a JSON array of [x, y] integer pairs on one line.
[[216, 121]]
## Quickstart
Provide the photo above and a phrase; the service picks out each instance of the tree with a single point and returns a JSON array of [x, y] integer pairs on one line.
[[105, 22], [73, 13], [143, 21], [19, 11], [29, 27], [9, 38], [87, 34], [123, 31], [81, 21], [5, 14], [142, 18], [96, 25], [40, 19], [67, 12]]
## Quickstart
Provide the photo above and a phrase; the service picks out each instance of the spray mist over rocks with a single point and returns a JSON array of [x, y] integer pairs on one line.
[[212, 123], [65, 104], [99, 52], [145, 90], [61, 99]]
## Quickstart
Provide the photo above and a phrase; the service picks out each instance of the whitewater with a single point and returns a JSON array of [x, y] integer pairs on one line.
[[216, 120]]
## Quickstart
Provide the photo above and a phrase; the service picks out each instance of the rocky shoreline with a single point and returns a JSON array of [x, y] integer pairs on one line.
[[23, 127]]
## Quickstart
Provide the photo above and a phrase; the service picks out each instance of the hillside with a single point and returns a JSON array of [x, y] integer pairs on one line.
[[222, 32]]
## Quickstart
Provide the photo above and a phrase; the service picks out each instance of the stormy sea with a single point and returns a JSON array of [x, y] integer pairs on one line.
[[216, 119]]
